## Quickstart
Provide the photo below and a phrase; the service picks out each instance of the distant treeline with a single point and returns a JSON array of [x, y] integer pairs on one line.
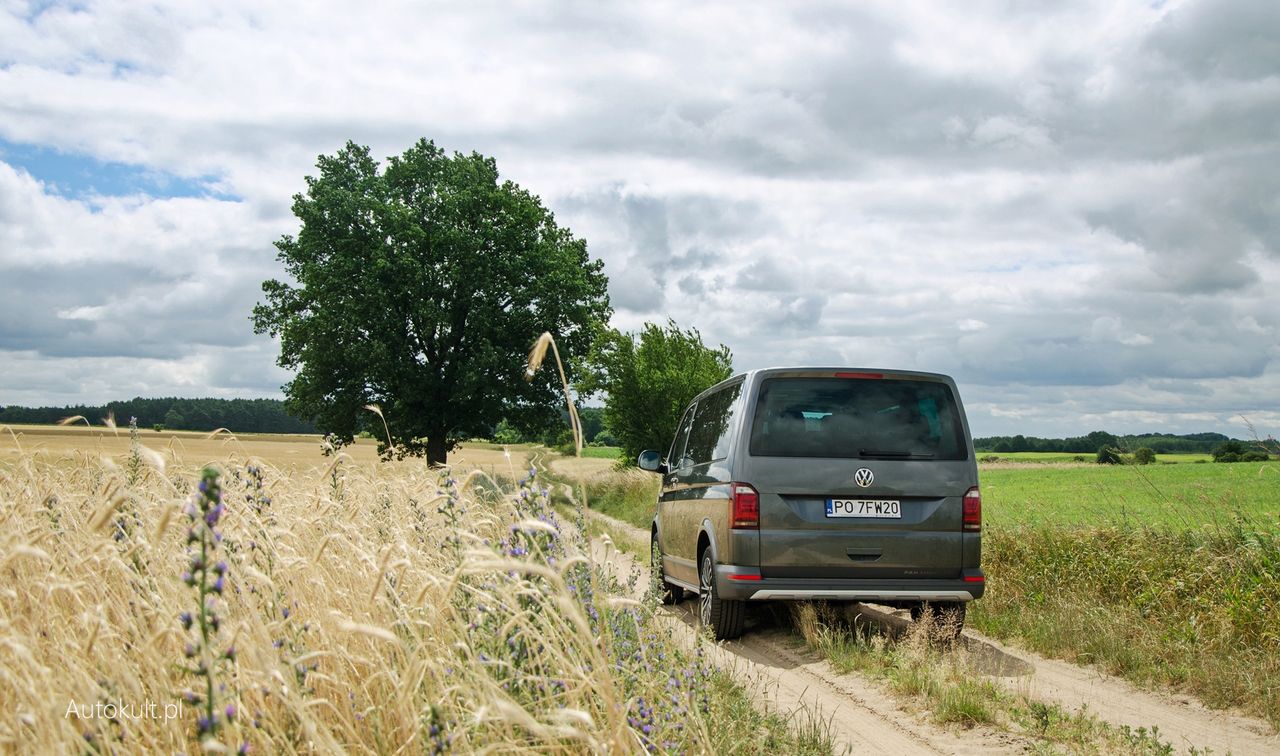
[[237, 415], [1192, 443]]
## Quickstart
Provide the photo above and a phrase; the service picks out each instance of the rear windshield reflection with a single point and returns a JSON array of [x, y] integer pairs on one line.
[[868, 419]]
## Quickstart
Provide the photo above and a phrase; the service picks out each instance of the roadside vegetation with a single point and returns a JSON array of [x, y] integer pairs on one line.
[[350, 607], [1166, 575], [949, 684], [1176, 608]]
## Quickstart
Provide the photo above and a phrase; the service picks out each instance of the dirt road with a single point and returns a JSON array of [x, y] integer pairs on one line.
[[864, 718]]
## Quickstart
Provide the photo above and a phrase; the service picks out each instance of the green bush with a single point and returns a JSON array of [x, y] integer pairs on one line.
[[1108, 455], [1144, 456], [1228, 451]]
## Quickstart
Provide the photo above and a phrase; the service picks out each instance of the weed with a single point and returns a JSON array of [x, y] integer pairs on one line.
[[206, 574]]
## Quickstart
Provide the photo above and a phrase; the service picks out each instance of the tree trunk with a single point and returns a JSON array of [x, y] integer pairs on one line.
[[437, 449]]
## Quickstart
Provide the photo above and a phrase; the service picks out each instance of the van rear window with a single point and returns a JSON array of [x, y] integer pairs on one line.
[[874, 419]]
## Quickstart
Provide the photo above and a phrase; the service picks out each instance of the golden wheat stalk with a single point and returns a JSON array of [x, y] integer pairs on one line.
[[375, 409], [536, 355]]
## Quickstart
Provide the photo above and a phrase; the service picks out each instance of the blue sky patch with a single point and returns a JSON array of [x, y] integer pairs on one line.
[[79, 176]]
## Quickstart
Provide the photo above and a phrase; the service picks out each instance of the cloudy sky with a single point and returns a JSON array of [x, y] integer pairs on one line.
[[1073, 208]]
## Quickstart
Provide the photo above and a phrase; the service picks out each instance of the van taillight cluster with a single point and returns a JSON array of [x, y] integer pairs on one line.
[[745, 503], [972, 518]]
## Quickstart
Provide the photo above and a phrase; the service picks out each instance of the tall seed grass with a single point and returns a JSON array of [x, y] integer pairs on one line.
[[1189, 609], [913, 666], [375, 609], [629, 495]]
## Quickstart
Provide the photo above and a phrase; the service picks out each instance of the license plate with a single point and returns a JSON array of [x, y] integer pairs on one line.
[[890, 508]]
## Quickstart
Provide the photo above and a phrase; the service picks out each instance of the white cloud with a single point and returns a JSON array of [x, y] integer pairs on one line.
[[1072, 223]]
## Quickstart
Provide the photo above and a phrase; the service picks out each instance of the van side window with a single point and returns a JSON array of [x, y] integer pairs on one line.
[[713, 423], [676, 456]]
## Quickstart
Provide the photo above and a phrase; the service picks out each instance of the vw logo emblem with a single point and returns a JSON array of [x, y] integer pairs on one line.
[[864, 477]]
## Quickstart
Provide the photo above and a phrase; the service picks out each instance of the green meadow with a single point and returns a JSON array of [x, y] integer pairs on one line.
[[1167, 495]]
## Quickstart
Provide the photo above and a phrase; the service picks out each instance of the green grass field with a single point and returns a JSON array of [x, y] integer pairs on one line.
[[1173, 495]]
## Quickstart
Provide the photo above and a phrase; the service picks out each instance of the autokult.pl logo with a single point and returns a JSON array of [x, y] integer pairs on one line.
[[131, 710]]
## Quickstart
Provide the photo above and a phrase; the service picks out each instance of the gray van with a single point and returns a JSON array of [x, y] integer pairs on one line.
[[837, 484]]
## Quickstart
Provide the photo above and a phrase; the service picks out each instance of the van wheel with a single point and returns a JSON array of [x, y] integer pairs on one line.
[[723, 616], [670, 594], [945, 618]]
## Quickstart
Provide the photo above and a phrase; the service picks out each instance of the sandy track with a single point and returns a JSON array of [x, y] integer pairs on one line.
[[863, 718], [793, 682], [1184, 722]]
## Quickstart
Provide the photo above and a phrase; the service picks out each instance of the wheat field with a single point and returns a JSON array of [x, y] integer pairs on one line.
[[326, 604]]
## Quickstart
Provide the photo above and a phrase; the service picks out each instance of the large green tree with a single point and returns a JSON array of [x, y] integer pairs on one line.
[[648, 378], [419, 287]]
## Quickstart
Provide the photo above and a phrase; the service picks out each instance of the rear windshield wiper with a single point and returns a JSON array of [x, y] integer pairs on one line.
[[896, 453]]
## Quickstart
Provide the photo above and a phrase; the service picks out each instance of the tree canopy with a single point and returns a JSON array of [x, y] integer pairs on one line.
[[649, 378], [419, 287], [1160, 443]]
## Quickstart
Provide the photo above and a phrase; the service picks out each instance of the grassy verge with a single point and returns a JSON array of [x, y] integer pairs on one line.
[[945, 683], [1190, 610], [627, 495]]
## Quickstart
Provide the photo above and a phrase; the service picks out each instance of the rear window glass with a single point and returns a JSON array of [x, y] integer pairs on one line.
[[841, 417]]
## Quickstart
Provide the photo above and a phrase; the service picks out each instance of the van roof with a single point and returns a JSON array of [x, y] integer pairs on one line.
[[832, 370]]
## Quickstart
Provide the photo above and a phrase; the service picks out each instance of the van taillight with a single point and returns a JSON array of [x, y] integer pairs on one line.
[[745, 503], [972, 519]]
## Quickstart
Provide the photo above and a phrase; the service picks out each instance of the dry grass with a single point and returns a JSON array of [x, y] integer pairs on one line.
[[371, 608], [285, 451]]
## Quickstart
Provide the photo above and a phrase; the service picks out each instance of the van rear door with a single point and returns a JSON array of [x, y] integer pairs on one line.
[[860, 475]]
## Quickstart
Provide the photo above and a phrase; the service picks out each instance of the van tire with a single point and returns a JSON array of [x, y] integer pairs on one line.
[[723, 616], [668, 593]]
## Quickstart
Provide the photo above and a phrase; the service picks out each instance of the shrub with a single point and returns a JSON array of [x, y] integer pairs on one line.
[[1228, 451], [1108, 455], [1144, 456]]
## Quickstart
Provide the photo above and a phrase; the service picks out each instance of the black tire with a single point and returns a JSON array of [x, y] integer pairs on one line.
[[723, 616], [667, 592], [945, 618]]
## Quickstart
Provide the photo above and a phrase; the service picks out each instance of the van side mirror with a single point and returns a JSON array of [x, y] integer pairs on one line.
[[652, 461]]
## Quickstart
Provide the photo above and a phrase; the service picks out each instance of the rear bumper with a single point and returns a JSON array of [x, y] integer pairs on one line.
[[745, 584]]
